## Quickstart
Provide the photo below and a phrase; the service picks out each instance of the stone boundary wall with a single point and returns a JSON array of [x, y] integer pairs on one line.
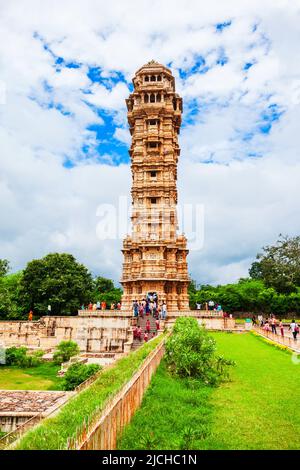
[[93, 333], [284, 340], [102, 431]]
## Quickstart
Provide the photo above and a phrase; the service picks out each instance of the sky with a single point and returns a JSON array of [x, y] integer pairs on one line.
[[65, 72]]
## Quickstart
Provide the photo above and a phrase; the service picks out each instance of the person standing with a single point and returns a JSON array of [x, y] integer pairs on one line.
[[273, 324], [294, 329], [148, 326], [281, 328], [30, 315], [164, 310], [49, 310]]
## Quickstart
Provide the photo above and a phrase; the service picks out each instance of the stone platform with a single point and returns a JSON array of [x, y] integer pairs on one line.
[[18, 406]]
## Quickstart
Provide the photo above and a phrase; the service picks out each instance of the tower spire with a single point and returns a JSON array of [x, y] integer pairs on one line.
[[154, 254]]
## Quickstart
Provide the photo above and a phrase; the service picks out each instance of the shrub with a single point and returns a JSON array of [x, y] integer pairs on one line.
[[78, 373], [190, 352], [20, 357], [64, 351], [14, 356]]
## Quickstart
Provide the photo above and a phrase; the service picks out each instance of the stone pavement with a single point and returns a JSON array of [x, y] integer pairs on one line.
[[31, 402]]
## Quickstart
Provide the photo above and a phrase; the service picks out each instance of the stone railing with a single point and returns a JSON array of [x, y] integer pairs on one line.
[[12, 436], [284, 340], [100, 433]]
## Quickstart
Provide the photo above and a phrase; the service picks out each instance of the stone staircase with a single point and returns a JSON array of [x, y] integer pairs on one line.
[[142, 323]]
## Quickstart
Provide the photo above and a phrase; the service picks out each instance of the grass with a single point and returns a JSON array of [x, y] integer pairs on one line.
[[53, 433], [175, 414], [257, 409], [42, 377]]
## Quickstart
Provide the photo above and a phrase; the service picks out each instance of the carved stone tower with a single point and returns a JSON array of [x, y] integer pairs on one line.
[[154, 255]]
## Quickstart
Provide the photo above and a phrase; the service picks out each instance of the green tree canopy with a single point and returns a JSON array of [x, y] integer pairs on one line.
[[279, 265], [102, 284], [57, 279]]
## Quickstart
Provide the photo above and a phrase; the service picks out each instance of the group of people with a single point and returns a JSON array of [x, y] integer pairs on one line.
[[271, 324], [150, 306], [101, 306], [138, 332], [210, 305]]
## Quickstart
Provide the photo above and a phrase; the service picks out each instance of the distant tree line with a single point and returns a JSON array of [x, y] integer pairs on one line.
[[58, 280], [273, 285]]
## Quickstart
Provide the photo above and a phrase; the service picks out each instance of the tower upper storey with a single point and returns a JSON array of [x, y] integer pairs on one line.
[[154, 91]]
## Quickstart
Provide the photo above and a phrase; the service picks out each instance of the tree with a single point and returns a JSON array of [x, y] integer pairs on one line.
[[10, 302], [4, 267], [57, 279], [64, 351], [102, 284], [279, 265]]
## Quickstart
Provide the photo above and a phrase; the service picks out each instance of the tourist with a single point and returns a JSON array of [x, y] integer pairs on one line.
[[112, 306], [211, 305], [119, 305], [267, 326], [281, 328], [157, 324], [30, 315], [260, 319], [198, 306], [141, 310], [90, 307], [94, 307], [139, 333], [135, 308], [254, 322], [103, 305], [148, 326], [82, 307], [294, 329], [146, 337], [206, 306], [273, 324], [164, 310], [98, 306]]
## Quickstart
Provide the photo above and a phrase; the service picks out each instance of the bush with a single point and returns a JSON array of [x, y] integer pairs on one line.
[[190, 352], [78, 373], [19, 357], [64, 351]]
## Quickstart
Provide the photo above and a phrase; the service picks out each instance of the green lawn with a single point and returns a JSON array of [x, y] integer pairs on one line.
[[258, 409], [42, 377]]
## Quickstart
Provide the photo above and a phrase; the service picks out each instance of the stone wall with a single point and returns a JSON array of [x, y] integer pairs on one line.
[[93, 333]]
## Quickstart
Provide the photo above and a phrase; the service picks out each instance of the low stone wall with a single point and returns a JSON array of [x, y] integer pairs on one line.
[[94, 333], [102, 432], [216, 322]]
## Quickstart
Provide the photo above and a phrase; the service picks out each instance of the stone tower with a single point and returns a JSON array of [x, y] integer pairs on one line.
[[154, 255]]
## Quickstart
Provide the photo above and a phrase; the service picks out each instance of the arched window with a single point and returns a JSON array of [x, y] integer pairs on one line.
[[146, 78], [146, 98], [152, 98], [159, 78], [153, 79], [158, 98]]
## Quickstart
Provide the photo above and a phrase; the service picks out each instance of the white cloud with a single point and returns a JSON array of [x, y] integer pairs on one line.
[[46, 113]]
